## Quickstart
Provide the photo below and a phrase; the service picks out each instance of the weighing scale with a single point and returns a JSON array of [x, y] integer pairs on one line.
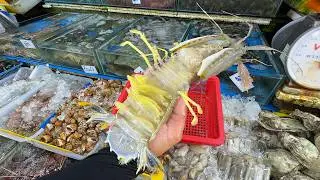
[[300, 42]]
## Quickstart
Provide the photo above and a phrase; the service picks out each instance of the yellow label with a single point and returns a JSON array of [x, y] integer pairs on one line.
[[104, 126], [158, 175], [280, 114], [83, 103]]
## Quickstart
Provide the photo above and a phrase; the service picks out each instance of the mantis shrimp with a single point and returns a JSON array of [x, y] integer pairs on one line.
[[152, 96]]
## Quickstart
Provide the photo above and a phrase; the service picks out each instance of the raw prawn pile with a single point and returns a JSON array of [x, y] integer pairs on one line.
[[153, 95]]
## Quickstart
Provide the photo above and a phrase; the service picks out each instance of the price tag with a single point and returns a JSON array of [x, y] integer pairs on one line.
[[136, 1], [138, 70], [236, 79], [27, 44], [89, 69]]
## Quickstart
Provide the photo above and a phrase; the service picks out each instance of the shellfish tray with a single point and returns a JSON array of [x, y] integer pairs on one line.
[[15, 123]]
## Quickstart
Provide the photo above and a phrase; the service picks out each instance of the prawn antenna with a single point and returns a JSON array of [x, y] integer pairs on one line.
[[250, 27], [212, 20]]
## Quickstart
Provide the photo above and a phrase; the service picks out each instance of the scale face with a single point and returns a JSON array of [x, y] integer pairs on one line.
[[303, 61]]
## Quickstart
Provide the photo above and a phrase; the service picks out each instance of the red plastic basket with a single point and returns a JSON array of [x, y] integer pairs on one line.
[[210, 128]]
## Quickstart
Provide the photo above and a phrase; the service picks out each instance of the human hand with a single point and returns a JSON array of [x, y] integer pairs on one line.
[[170, 133]]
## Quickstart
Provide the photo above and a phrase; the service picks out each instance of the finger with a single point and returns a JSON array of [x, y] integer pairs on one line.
[[180, 108], [177, 120]]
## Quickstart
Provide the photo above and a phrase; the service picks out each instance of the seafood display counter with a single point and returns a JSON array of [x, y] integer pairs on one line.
[[50, 110], [76, 46]]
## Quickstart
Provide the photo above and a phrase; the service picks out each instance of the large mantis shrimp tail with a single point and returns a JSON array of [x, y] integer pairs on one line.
[[147, 160], [128, 147]]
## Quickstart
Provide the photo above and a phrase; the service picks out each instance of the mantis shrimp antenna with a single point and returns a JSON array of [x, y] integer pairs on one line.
[[143, 55], [154, 51], [212, 20], [187, 100], [197, 40], [250, 27]]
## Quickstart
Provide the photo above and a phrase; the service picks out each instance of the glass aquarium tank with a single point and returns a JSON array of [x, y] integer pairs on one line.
[[76, 46], [261, 8], [161, 32], [25, 41], [89, 2], [265, 69], [148, 4]]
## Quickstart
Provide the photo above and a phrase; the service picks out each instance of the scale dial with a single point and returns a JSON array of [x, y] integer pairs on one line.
[[303, 62]]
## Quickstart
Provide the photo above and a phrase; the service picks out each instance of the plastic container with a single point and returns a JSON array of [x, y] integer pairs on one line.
[[261, 8], [75, 47], [268, 77], [210, 128], [49, 147], [162, 32], [146, 4], [24, 115]]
